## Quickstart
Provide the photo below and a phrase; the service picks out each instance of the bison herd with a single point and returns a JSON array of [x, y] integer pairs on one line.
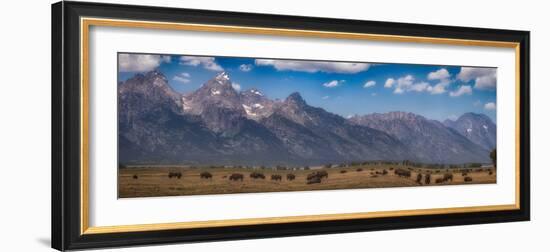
[[427, 177], [317, 177]]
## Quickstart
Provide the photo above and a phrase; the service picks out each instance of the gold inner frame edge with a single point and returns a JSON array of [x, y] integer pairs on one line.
[[85, 24]]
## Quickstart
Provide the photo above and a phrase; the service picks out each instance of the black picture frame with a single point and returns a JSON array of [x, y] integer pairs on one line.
[[66, 114]]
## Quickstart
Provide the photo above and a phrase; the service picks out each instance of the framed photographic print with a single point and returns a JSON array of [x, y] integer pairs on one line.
[[180, 125]]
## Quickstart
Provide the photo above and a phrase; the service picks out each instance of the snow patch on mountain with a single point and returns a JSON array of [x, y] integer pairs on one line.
[[223, 76], [257, 105]]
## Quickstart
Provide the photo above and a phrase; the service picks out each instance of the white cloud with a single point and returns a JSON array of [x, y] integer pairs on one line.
[[140, 62], [419, 87], [325, 97], [333, 83], [182, 77], [441, 74], [409, 84], [486, 82], [403, 84], [369, 84], [439, 88], [462, 90], [373, 94], [490, 106], [314, 66], [444, 79], [484, 78], [208, 63], [389, 83], [236, 86], [398, 91], [245, 67]]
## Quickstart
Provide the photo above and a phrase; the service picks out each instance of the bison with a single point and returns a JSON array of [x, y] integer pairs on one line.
[[314, 180], [343, 171], [448, 177], [359, 170], [322, 174], [402, 172], [174, 175], [316, 176], [236, 177], [468, 179], [419, 178], [135, 176], [206, 175], [257, 175], [427, 179], [290, 176], [276, 177]]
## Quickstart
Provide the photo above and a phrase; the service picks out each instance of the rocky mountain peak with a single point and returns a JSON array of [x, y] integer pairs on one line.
[[223, 76], [478, 128], [295, 99], [220, 80], [216, 92], [220, 85], [256, 105], [153, 84], [426, 137]]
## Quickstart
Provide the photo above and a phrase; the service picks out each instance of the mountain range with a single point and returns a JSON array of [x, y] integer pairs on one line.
[[217, 125]]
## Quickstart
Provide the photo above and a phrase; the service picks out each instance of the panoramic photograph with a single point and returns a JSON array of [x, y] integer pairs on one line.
[[197, 125]]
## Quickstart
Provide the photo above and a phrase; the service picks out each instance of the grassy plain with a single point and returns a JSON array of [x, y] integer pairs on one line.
[[147, 181]]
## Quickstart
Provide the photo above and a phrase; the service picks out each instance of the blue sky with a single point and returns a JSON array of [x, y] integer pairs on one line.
[[344, 88]]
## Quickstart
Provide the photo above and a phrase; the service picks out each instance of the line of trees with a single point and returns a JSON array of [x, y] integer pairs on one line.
[[492, 155]]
